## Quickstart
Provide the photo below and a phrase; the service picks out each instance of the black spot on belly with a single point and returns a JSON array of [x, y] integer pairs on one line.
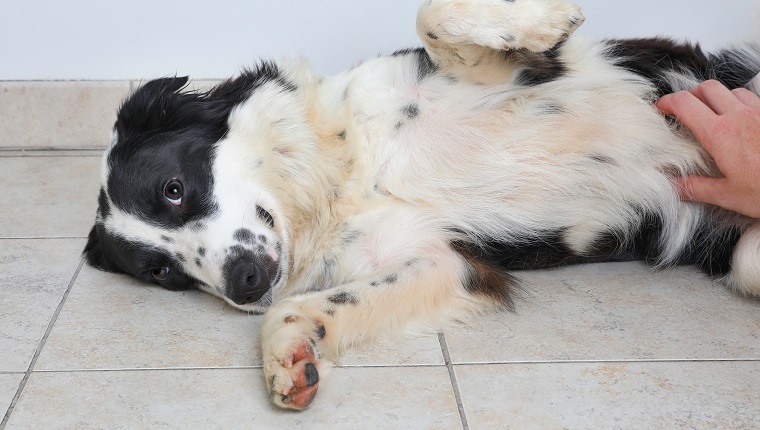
[[411, 111], [552, 108], [198, 262], [391, 279], [343, 298], [603, 159]]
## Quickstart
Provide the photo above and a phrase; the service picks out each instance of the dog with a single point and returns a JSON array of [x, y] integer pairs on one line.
[[404, 193]]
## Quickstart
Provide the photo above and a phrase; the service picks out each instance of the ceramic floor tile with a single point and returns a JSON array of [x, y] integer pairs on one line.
[[706, 395], [369, 398], [34, 275], [8, 386], [397, 352], [59, 114], [615, 311], [48, 197], [115, 322]]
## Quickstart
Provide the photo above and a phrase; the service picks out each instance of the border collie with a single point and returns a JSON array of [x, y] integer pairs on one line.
[[401, 194]]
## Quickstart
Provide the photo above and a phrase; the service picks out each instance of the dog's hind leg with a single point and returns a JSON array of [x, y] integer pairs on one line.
[[480, 34], [303, 334]]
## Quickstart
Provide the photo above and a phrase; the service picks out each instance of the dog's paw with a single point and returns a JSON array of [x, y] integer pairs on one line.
[[291, 362], [498, 24]]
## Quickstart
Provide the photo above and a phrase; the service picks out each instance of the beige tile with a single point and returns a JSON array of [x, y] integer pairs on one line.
[[34, 275], [9, 383], [115, 322], [615, 311], [424, 350], [707, 395], [384, 398], [48, 196], [59, 114]]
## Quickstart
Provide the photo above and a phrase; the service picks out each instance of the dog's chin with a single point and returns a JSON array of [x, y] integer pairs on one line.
[[258, 307]]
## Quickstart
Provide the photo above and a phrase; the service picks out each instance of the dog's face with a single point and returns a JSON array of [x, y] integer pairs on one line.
[[170, 214]]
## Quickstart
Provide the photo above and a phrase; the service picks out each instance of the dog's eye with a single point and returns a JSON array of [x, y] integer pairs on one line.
[[173, 191], [160, 274]]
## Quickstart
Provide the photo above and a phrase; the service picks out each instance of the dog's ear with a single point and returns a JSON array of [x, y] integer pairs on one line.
[[153, 106], [95, 251]]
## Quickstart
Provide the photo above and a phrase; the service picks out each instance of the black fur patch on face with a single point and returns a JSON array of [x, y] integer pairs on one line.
[[654, 58], [265, 216], [244, 235], [343, 298], [114, 254], [425, 65], [167, 134], [539, 68]]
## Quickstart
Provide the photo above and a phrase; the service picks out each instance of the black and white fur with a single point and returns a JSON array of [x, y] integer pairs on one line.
[[397, 196]]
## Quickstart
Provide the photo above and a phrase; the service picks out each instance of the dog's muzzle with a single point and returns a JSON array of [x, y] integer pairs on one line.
[[248, 276]]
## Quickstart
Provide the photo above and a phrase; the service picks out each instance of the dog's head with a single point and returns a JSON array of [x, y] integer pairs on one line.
[[175, 212]]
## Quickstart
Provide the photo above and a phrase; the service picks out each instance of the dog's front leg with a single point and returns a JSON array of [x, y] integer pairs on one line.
[[301, 336]]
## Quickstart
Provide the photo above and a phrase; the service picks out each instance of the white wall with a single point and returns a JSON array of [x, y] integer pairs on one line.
[[118, 39]]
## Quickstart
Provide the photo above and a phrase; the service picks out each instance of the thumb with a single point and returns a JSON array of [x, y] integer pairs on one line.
[[702, 189]]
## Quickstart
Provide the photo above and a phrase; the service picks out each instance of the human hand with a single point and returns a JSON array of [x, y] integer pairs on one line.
[[727, 123]]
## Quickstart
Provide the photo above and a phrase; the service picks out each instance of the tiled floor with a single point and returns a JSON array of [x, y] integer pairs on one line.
[[601, 346]]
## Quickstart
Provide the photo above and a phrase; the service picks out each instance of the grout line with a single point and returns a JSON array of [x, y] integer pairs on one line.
[[36, 149], [252, 367], [603, 361], [454, 383], [41, 237], [29, 371]]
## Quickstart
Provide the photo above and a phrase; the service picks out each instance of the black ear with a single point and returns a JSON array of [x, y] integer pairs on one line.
[[95, 251], [152, 106]]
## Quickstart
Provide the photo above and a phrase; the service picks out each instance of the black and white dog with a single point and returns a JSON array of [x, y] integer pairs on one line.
[[398, 195]]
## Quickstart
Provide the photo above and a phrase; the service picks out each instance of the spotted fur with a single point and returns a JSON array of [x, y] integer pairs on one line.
[[400, 195]]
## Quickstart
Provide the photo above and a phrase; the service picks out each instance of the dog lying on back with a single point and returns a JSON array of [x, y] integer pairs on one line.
[[402, 193]]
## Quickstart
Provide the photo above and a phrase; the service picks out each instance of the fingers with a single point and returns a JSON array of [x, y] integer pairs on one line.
[[703, 189], [717, 97], [747, 97], [691, 111]]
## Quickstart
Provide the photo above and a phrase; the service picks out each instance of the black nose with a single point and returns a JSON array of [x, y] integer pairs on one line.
[[245, 279]]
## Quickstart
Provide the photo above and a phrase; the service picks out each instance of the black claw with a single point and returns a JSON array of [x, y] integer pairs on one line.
[[312, 376]]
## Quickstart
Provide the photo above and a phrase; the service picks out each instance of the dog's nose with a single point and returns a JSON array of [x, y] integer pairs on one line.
[[246, 280]]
